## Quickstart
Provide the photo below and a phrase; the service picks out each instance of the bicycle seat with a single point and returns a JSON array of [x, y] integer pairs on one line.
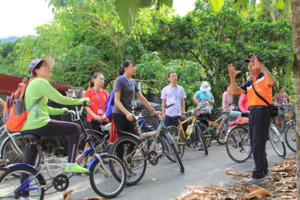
[[31, 139], [176, 117]]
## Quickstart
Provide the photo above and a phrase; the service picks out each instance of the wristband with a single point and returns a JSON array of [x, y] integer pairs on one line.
[[152, 109]]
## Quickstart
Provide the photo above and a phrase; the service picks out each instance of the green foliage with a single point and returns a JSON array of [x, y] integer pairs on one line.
[[88, 37], [127, 10]]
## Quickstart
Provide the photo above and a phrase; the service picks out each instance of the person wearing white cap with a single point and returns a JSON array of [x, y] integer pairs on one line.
[[204, 96], [38, 122]]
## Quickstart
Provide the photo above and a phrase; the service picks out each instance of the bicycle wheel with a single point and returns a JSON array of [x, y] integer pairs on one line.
[[135, 162], [221, 137], [96, 139], [277, 141], [207, 134], [10, 152], [109, 177], [178, 139], [9, 183], [200, 138], [172, 154], [238, 144], [290, 137]]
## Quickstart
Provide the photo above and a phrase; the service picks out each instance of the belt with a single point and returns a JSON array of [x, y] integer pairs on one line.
[[257, 107]]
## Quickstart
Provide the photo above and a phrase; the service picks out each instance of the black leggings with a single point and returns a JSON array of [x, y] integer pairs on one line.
[[54, 128]]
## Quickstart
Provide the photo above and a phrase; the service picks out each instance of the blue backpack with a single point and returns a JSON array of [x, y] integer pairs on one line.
[[110, 102]]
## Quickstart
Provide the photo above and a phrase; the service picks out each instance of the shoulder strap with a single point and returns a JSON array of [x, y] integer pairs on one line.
[[123, 81], [133, 81], [259, 95]]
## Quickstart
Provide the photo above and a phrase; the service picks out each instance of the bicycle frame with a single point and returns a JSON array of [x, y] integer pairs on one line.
[[182, 131], [25, 187]]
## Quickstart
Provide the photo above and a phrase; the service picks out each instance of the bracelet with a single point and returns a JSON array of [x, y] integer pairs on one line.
[[264, 69], [152, 109]]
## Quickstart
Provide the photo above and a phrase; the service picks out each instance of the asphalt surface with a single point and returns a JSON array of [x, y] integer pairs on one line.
[[164, 181]]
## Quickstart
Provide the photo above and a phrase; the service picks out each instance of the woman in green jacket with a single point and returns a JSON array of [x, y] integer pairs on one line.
[[38, 121]]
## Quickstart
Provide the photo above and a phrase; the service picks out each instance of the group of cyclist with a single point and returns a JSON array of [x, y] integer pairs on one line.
[[125, 93]]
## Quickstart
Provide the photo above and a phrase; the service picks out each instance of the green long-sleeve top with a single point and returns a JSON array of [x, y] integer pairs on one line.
[[36, 89]]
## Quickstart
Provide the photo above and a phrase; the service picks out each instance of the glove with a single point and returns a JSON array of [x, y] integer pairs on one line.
[[86, 100], [65, 110]]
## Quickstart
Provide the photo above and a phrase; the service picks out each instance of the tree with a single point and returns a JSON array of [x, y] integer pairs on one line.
[[296, 45]]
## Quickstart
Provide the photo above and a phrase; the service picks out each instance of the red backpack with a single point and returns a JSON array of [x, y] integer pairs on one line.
[[15, 113]]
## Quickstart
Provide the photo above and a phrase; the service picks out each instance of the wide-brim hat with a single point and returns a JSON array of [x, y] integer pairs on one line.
[[205, 86], [33, 64]]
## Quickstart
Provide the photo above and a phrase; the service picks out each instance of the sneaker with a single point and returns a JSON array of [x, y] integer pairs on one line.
[[76, 168], [255, 181], [268, 173], [130, 173], [195, 146]]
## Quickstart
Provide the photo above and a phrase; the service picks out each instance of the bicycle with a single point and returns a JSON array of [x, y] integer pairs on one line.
[[135, 150], [215, 129], [290, 137], [12, 146], [287, 120], [107, 173], [195, 138], [238, 142]]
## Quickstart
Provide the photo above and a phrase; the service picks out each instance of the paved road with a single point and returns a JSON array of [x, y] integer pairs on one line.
[[164, 181]]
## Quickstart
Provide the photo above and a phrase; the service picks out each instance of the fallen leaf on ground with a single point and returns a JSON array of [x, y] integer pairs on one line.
[[67, 194], [257, 192]]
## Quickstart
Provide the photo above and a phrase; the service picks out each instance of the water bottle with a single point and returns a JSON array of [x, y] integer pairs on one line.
[[188, 133], [189, 130]]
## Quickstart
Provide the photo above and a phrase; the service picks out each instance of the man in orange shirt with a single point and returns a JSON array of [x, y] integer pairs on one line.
[[259, 119]]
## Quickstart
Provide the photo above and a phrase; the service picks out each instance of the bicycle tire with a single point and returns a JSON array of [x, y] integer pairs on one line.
[[276, 141], [108, 186], [179, 140], [135, 170], [9, 151], [290, 137], [201, 138], [96, 138], [221, 137], [206, 133], [238, 144], [177, 158], [9, 183]]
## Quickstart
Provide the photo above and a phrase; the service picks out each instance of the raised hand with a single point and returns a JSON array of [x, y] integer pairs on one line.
[[232, 71], [257, 64]]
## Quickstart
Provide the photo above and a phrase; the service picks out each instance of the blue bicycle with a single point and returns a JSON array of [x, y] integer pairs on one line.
[[107, 173]]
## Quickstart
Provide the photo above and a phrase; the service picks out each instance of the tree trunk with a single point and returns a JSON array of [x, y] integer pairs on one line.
[[296, 46]]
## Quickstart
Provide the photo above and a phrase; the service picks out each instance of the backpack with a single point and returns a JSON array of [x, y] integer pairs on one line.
[[110, 102], [15, 113]]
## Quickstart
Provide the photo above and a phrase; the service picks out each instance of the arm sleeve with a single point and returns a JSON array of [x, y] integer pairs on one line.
[[163, 94], [244, 87], [44, 88], [118, 85], [224, 99], [184, 95], [196, 95], [55, 111]]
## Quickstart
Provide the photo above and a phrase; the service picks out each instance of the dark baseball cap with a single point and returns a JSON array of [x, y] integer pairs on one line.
[[251, 59]]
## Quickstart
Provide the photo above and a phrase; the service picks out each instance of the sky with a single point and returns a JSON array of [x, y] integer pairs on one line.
[[20, 17]]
